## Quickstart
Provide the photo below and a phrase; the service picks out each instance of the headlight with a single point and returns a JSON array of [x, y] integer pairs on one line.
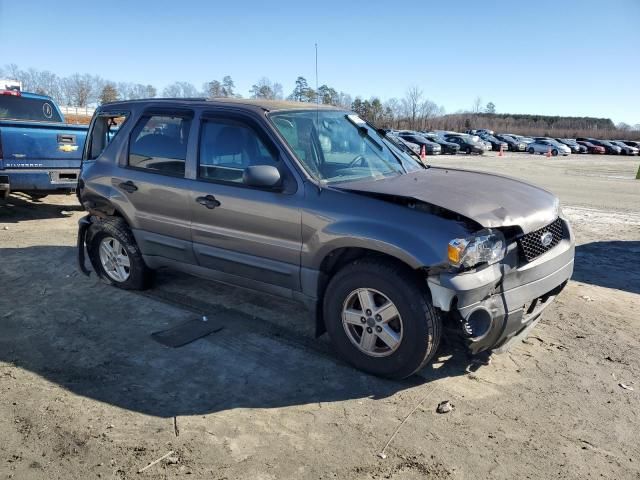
[[485, 246]]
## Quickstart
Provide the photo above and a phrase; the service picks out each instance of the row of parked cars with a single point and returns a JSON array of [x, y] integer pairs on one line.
[[558, 146], [479, 141], [438, 142]]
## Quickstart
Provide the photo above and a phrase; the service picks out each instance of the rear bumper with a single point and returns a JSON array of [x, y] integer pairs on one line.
[[62, 180], [499, 302]]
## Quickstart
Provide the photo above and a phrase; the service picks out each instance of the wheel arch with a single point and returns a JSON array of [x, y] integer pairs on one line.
[[339, 257]]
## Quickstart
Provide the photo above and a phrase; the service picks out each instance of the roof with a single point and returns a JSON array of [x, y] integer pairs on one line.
[[267, 105]]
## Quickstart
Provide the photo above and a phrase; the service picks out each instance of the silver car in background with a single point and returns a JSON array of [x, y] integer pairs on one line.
[[548, 146]]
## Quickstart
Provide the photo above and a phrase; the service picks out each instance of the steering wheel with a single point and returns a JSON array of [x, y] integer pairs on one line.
[[359, 158]]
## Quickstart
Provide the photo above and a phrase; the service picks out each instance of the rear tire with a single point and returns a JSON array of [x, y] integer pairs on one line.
[[415, 326], [38, 196], [115, 256]]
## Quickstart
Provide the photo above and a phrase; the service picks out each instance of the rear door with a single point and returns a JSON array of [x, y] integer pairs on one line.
[[152, 187], [251, 236]]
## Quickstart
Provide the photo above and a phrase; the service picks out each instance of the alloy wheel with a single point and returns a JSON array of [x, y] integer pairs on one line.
[[114, 259], [372, 322]]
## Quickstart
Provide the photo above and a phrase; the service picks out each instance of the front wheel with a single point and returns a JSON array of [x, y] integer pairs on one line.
[[379, 318], [554, 152], [468, 150], [531, 150]]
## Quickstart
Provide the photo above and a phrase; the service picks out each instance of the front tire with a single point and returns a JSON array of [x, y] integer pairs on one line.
[[401, 328], [115, 256], [554, 152], [531, 150]]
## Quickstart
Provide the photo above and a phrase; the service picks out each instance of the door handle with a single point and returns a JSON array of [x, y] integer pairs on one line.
[[128, 186], [209, 201]]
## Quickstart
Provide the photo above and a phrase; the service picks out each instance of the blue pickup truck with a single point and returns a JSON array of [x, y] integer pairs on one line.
[[39, 153]]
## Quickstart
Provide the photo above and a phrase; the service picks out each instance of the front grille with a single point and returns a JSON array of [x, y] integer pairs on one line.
[[531, 244]]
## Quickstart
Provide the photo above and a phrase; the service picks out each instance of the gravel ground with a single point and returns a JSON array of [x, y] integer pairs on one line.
[[85, 392]]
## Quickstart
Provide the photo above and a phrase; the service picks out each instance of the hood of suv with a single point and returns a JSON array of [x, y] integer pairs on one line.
[[489, 200]]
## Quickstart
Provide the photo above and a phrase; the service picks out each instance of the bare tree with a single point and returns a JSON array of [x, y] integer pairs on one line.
[[81, 89], [180, 90], [411, 105], [477, 105]]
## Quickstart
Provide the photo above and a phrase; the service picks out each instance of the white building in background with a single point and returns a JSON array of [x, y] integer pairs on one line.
[[6, 84]]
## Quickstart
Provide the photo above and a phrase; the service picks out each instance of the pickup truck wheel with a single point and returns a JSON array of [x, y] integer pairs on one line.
[[115, 256], [38, 196], [380, 320]]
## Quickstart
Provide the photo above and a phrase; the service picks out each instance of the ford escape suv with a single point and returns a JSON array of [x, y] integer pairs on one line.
[[314, 204]]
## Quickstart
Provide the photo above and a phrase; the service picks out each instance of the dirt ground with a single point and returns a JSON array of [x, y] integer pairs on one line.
[[86, 393]]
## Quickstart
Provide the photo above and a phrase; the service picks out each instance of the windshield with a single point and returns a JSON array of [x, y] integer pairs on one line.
[[23, 108], [335, 146]]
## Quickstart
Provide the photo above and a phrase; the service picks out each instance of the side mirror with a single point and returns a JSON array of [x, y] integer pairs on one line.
[[263, 176]]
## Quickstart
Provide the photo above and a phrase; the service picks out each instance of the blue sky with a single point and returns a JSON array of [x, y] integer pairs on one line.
[[562, 57]]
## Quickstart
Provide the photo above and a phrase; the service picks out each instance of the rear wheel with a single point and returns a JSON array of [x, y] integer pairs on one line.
[[38, 196], [380, 320], [115, 256]]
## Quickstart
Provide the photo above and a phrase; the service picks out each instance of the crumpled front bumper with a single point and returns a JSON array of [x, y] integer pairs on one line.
[[497, 303]]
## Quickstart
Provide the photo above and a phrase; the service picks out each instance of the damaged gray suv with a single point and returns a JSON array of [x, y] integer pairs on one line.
[[315, 204]]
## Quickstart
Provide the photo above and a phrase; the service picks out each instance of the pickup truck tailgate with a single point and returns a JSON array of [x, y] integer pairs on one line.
[[40, 145]]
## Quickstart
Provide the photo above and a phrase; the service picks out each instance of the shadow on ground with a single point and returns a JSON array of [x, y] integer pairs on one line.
[[94, 340], [20, 207], [613, 264]]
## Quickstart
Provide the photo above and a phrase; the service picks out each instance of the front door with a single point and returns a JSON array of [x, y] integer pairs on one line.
[[251, 235]]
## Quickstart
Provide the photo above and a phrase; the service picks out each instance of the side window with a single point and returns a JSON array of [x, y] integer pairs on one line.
[[159, 144], [227, 147]]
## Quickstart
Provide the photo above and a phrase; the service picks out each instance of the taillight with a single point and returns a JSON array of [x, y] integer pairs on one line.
[[15, 93]]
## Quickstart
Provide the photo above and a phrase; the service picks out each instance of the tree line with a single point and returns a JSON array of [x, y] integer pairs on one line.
[[414, 111]]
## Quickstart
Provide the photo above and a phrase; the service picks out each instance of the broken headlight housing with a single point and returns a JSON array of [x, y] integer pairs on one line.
[[486, 246]]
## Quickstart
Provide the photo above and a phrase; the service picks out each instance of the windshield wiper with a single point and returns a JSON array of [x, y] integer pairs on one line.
[[364, 131]]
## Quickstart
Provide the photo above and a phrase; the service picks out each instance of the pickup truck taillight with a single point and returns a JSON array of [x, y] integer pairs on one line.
[[15, 93]]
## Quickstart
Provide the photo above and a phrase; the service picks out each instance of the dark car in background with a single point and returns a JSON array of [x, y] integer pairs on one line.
[[431, 148], [573, 145], [496, 144], [592, 147], [513, 143], [624, 148], [631, 143], [447, 147], [609, 148], [466, 143]]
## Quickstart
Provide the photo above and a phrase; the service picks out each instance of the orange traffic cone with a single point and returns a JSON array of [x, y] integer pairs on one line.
[[548, 154], [423, 152], [500, 152]]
